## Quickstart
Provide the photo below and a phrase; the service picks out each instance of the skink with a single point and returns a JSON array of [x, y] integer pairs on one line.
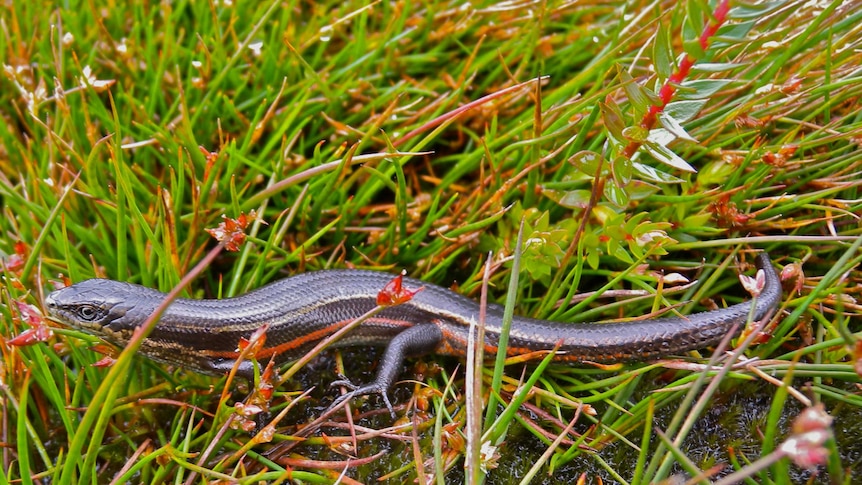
[[202, 335]]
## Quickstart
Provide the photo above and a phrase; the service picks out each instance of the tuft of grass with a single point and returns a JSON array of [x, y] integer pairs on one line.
[[632, 145]]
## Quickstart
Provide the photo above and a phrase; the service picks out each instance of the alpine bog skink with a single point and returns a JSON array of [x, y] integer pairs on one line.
[[202, 335]]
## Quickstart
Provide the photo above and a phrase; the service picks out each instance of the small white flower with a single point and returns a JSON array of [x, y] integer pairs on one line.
[[88, 79], [489, 456], [256, 47], [766, 88], [650, 236]]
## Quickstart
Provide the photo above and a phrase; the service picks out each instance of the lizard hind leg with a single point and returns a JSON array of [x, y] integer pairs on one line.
[[413, 341]]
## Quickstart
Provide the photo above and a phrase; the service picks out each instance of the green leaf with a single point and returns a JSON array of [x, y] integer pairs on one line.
[[654, 175], [639, 190], [668, 157], [613, 119], [693, 48], [715, 66], [754, 10], [621, 170], [605, 215], [631, 224], [715, 173], [701, 88], [692, 27], [672, 125], [639, 100], [662, 53], [620, 253], [616, 194], [683, 111], [661, 136], [593, 259], [696, 12], [735, 32], [696, 221], [636, 133], [586, 162], [573, 199]]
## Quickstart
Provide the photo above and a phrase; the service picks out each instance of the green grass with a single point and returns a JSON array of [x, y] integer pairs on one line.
[[349, 130]]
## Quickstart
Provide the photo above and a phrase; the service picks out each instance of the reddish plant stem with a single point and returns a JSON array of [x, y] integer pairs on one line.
[[669, 88]]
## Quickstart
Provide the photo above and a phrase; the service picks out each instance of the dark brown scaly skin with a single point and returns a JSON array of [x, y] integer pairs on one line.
[[202, 335]]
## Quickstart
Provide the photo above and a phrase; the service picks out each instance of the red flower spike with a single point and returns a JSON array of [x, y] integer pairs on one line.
[[243, 343], [794, 272], [104, 349], [14, 263], [20, 249], [792, 85], [265, 392], [38, 331], [726, 212], [211, 159], [232, 230], [29, 313], [31, 336], [247, 410], [814, 418], [248, 425], [788, 151], [211, 156], [106, 361], [268, 375], [394, 294], [257, 340], [806, 446]]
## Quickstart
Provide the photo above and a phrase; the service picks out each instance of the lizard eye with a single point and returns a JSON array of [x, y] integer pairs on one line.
[[88, 313]]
